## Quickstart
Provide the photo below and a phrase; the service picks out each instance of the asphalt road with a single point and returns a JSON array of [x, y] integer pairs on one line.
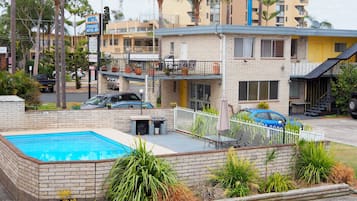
[[341, 130]]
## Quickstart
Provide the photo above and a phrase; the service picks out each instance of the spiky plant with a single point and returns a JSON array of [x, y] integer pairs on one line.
[[140, 176], [313, 163], [277, 183], [237, 176]]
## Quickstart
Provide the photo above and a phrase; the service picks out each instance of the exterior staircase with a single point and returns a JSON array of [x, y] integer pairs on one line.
[[322, 107]]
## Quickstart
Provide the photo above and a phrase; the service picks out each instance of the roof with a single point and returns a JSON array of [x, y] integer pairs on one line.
[[322, 68], [236, 29], [331, 62]]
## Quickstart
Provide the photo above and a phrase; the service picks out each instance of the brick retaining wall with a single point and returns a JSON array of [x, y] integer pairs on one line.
[[30, 179]]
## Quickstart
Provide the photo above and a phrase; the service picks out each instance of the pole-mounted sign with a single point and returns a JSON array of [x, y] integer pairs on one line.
[[93, 31], [93, 24]]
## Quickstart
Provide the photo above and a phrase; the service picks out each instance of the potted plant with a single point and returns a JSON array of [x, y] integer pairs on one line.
[[127, 68], [184, 70], [216, 68], [115, 69], [138, 70], [167, 71], [104, 68]]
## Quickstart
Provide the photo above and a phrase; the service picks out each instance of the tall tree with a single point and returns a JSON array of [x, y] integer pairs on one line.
[[78, 8], [265, 14], [13, 35], [196, 10], [161, 22], [315, 24]]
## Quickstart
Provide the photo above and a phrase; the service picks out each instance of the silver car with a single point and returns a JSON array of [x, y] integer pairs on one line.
[[104, 100]]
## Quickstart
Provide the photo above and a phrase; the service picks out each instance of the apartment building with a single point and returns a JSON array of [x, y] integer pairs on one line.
[[235, 12], [282, 66], [132, 41]]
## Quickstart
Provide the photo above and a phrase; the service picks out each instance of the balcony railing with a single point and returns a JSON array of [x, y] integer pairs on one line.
[[169, 68], [194, 67]]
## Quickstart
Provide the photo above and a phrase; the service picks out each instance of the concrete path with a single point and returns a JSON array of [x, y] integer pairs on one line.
[[341, 130]]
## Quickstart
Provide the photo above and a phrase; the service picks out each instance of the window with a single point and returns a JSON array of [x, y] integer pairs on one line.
[[199, 96], [294, 89], [116, 41], [293, 52], [340, 47], [243, 47], [258, 90], [172, 47], [104, 43], [110, 42], [272, 48]]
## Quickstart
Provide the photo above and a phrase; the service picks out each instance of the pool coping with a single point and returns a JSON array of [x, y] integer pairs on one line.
[[117, 136]]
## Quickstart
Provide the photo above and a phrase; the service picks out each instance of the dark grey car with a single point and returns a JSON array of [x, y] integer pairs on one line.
[[103, 100]]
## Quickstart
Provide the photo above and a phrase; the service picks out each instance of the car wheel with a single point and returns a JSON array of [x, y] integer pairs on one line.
[[354, 116], [352, 104]]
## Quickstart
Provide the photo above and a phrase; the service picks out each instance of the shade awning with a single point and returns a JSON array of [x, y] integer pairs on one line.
[[331, 62], [348, 53], [322, 68]]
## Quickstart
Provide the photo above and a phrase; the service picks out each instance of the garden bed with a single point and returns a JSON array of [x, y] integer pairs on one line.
[[319, 192]]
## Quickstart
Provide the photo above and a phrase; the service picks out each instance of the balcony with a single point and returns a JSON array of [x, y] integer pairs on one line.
[[177, 69]]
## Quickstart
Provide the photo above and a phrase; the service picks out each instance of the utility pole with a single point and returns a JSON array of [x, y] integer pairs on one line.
[[13, 36]]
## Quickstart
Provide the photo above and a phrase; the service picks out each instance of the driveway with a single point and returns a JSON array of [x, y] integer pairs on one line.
[[342, 130]]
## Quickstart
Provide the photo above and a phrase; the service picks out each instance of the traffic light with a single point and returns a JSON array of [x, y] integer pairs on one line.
[[106, 16]]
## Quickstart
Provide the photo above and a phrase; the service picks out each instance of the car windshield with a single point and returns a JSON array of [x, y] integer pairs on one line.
[[95, 100]]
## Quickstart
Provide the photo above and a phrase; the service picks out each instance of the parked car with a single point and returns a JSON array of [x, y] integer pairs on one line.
[[46, 84], [132, 104], [269, 118], [352, 105], [103, 100]]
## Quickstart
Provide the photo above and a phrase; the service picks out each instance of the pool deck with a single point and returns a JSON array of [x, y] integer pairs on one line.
[[170, 143]]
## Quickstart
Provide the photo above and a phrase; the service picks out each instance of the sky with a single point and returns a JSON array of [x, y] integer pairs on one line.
[[341, 13]]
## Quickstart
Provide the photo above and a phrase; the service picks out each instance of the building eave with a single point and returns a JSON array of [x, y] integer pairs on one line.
[[254, 30]]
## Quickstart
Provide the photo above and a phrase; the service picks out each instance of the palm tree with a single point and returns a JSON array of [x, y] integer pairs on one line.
[[159, 3], [196, 10], [13, 36], [57, 9], [315, 24], [265, 14]]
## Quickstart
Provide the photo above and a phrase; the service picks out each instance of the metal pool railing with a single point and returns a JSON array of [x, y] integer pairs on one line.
[[241, 133]]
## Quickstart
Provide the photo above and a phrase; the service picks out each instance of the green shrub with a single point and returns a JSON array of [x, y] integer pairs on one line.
[[263, 105], [243, 116], [237, 176], [210, 110], [313, 164], [140, 176], [199, 126], [277, 183], [22, 85]]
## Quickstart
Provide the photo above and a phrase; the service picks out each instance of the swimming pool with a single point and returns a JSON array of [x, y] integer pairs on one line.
[[68, 146]]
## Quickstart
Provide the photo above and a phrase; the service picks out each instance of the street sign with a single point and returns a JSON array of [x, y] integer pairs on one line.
[[92, 24], [93, 44], [92, 57]]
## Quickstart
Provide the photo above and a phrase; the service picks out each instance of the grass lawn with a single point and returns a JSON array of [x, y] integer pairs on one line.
[[345, 154]]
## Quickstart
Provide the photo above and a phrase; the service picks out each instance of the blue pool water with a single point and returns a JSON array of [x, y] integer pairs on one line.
[[68, 146]]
